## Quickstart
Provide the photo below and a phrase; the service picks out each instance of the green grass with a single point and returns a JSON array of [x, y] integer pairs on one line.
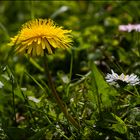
[[101, 111]]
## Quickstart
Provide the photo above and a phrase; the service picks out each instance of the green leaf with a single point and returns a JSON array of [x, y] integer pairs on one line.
[[36, 81], [120, 126], [104, 92]]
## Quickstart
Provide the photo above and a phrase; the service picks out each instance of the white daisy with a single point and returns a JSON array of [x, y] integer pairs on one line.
[[129, 79]]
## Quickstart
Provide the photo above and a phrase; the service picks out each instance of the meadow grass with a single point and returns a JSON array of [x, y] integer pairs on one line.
[[67, 94]]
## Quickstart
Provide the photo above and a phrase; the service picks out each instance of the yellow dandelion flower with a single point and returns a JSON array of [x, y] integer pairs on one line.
[[39, 36]]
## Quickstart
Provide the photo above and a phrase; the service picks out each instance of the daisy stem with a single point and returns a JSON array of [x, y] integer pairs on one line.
[[56, 96]]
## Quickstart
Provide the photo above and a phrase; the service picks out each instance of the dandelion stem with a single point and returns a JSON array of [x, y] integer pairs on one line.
[[56, 96]]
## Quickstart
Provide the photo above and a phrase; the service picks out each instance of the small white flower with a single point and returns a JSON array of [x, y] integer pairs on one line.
[[31, 98], [72, 100], [65, 79], [23, 89], [1, 84], [129, 79]]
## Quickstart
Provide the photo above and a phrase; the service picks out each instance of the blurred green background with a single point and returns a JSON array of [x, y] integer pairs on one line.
[[112, 114]]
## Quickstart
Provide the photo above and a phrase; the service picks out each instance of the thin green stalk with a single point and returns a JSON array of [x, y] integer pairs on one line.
[[13, 97], [81, 80], [70, 74], [48, 120], [32, 108], [56, 96], [4, 30], [30, 111], [71, 66], [33, 62], [136, 90]]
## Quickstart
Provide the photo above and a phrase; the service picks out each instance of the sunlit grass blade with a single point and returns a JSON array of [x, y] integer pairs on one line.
[[39, 85]]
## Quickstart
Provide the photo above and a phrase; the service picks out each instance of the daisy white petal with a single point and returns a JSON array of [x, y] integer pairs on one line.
[[131, 79]]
